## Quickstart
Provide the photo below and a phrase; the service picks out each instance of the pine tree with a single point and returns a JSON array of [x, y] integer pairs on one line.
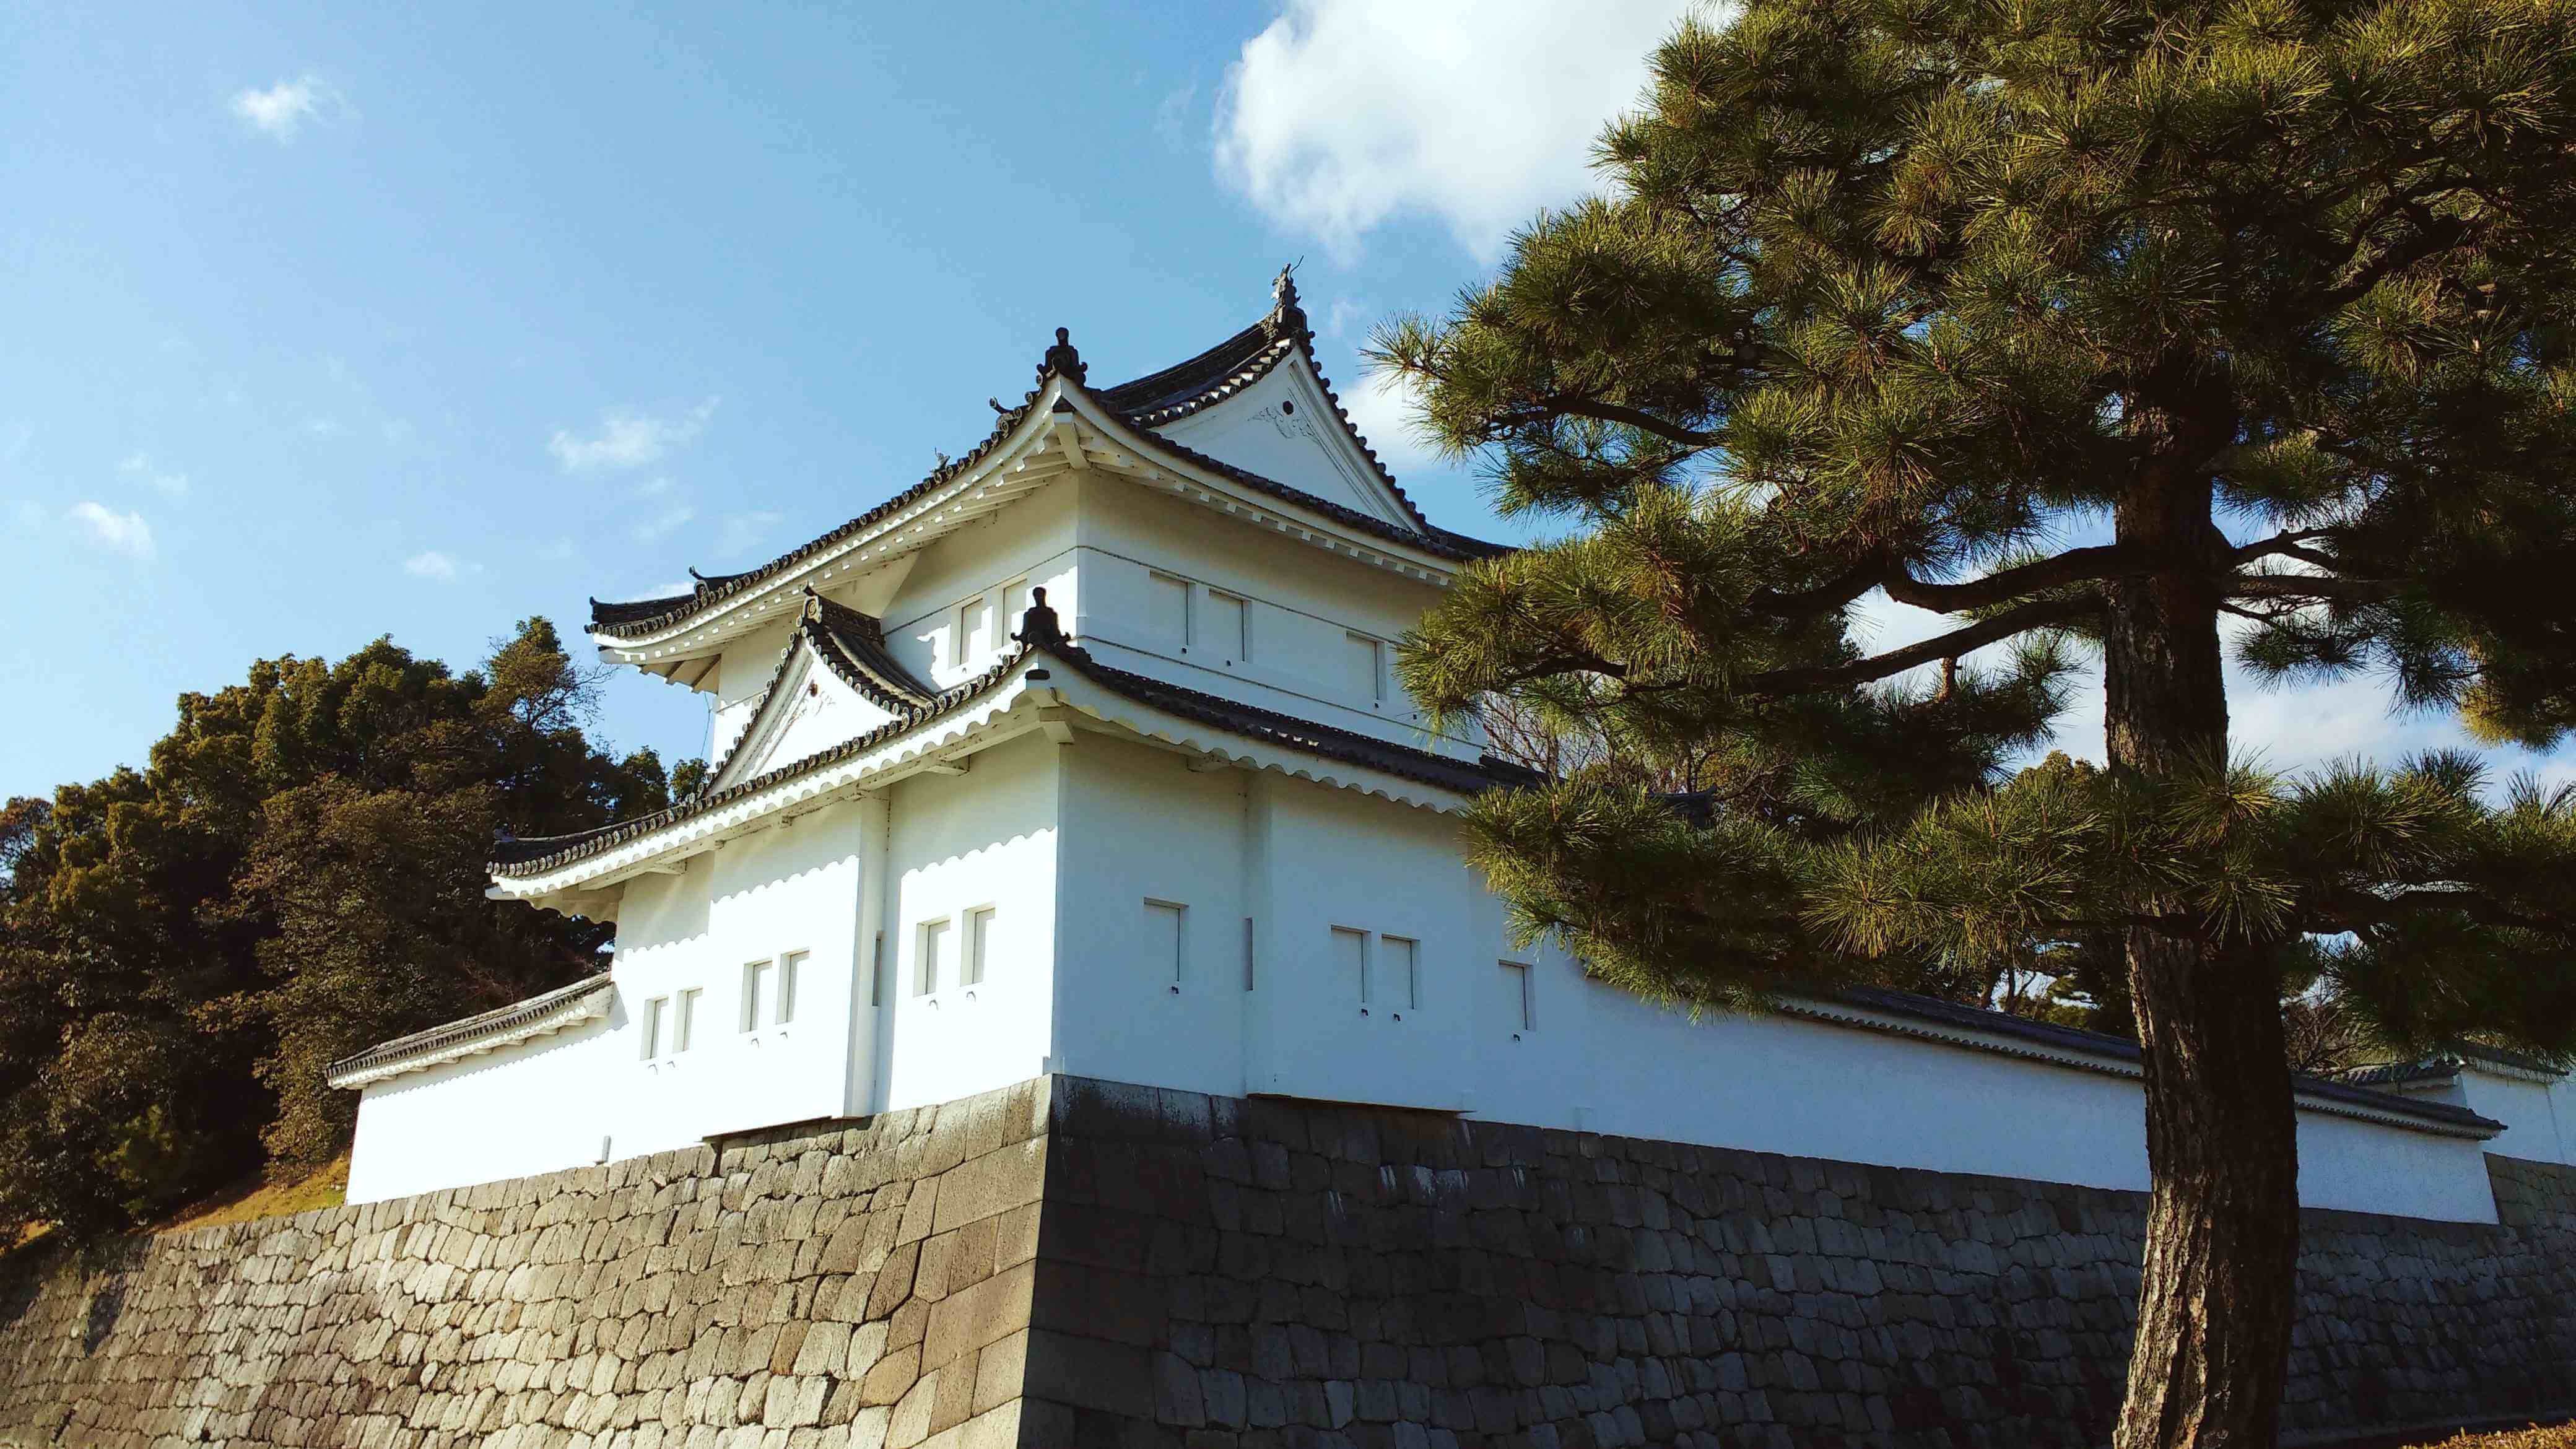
[[2121, 330]]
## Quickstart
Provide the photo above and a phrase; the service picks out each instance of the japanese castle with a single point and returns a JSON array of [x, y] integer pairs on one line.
[[1085, 755]]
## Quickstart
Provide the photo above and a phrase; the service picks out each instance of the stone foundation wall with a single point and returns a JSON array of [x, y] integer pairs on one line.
[[823, 1286], [1270, 1273], [1081, 1263]]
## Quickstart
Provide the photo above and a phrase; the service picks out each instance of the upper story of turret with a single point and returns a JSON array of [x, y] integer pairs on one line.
[[1218, 524]]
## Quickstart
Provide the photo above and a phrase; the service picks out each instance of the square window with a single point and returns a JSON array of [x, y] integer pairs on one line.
[[1402, 968], [1166, 937], [788, 969], [1351, 959], [928, 963], [979, 944]]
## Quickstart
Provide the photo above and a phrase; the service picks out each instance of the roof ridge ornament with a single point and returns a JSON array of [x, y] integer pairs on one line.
[[813, 604], [1063, 360], [1283, 294], [1038, 623]]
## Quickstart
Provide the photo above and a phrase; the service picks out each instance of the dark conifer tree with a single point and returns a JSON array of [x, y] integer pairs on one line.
[[2107, 329]]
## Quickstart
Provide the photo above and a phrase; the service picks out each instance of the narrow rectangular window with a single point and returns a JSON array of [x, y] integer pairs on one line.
[[687, 1019], [1247, 953], [1351, 959], [788, 966], [653, 1026], [979, 944], [1171, 605], [927, 966], [1015, 602], [1364, 658], [876, 971], [973, 621], [1228, 626], [1403, 970], [1166, 940], [1517, 1007], [755, 994]]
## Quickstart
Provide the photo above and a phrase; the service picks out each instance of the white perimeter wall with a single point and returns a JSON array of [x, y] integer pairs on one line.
[[1302, 859], [2539, 1119], [530, 1108]]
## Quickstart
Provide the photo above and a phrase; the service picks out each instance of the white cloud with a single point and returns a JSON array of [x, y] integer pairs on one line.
[[667, 523], [2290, 728], [443, 567], [1343, 114], [742, 531], [1172, 115], [318, 427], [127, 533], [630, 437], [171, 485], [1383, 407], [288, 106]]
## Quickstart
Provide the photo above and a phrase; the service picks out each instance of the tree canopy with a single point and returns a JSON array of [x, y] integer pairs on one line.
[[296, 874], [2113, 330]]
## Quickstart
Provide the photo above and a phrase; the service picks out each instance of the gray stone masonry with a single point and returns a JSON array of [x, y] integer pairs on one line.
[[1078, 1263], [845, 1285]]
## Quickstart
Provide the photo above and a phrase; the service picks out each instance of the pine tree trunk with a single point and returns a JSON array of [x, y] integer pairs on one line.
[[2214, 1311]]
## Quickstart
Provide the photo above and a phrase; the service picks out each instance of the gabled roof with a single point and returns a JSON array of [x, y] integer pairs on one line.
[[1144, 404], [518, 858], [852, 646], [1248, 356], [584, 1000]]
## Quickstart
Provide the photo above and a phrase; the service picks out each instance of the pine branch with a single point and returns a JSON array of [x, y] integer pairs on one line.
[[2020, 619]]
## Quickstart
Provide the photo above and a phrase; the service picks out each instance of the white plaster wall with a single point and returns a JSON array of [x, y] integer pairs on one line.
[[534, 1107], [1304, 605], [1303, 858], [743, 670], [1302, 445], [1031, 540], [2540, 1120], [985, 839], [1140, 826]]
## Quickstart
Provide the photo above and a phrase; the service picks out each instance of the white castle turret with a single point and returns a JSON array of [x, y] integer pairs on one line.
[[1085, 754]]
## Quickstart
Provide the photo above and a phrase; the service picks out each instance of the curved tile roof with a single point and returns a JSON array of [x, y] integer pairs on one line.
[[1145, 403], [538, 855], [535, 855], [851, 645], [492, 1028], [2044, 1033]]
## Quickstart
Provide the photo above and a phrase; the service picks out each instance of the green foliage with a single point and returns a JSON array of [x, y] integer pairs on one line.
[[295, 875], [2015, 312]]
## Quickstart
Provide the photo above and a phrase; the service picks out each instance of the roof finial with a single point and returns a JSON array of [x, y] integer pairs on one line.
[[1283, 291], [1064, 360], [813, 603], [1038, 623]]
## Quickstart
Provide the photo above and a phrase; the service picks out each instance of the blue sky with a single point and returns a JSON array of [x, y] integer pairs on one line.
[[341, 321]]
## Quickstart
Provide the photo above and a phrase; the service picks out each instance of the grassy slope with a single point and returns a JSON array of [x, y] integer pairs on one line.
[[328, 1187]]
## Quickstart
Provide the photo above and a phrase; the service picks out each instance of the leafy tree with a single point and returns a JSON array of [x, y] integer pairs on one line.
[[295, 875], [2095, 326]]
